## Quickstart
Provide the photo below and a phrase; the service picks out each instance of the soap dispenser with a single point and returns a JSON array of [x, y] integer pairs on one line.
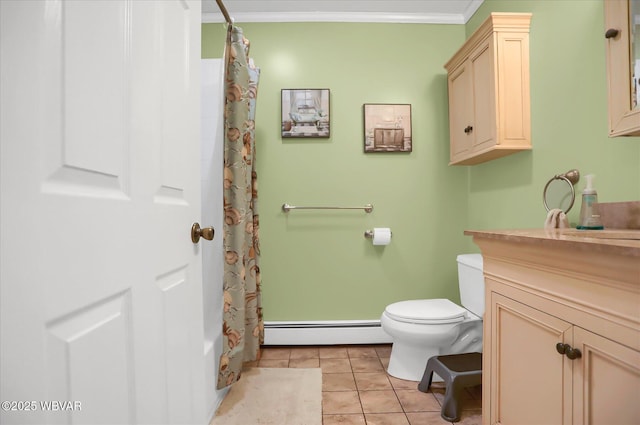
[[589, 213]]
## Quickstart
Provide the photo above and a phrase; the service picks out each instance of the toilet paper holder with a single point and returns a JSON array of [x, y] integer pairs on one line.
[[369, 234]]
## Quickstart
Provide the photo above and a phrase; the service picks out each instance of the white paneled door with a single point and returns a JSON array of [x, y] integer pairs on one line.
[[101, 292]]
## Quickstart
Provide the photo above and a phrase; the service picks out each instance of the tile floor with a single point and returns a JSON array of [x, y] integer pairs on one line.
[[356, 390]]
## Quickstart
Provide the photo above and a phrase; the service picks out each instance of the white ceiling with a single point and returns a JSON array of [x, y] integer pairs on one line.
[[401, 11]]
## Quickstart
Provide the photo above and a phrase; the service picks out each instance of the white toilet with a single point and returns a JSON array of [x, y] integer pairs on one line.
[[421, 329]]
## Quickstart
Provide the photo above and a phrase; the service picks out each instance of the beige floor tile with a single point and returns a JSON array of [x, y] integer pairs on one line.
[[426, 418], [416, 401], [383, 351], [340, 402], [476, 392], [343, 420], [273, 363], [335, 365], [383, 401], [338, 382], [248, 365], [372, 381], [471, 404], [365, 364], [304, 353], [386, 419], [304, 363], [385, 362], [471, 417], [401, 384], [354, 381], [466, 395], [333, 353], [271, 353], [438, 392], [363, 351]]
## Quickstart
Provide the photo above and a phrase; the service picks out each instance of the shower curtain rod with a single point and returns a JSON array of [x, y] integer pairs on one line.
[[224, 12]]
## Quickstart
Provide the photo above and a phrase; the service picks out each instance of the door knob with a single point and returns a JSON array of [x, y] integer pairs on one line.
[[197, 233]]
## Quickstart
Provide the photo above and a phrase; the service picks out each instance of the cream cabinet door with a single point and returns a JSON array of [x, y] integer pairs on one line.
[[527, 372], [484, 97], [606, 381], [461, 112], [472, 104]]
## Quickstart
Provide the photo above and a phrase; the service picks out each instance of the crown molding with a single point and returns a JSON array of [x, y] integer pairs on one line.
[[399, 18]]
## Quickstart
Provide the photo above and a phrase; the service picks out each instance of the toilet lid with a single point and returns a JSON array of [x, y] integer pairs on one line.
[[433, 311]]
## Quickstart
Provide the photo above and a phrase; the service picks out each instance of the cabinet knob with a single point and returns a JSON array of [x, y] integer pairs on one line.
[[573, 353], [611, 33], [567, 350], [562, 348], [468, 129]]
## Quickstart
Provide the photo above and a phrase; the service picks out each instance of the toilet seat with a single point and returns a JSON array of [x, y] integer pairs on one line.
[[427, 312]]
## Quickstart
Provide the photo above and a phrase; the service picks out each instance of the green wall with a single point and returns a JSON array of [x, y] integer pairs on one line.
[[316, 265], [568, 117]]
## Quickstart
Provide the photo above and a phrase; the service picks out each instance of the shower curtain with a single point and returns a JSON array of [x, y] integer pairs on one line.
[[243, 326]]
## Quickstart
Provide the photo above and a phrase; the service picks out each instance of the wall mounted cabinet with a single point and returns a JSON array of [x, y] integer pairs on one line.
[[624, 110], [561, 330], [489, 101]]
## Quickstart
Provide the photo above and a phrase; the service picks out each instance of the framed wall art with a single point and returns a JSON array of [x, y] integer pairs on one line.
[[387, 127], [305, 113]]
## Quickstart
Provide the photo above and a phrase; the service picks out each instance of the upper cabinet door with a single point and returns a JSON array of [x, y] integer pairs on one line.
[[623, 66], [460, 112]]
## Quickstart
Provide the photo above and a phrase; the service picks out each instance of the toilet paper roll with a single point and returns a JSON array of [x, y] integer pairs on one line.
[[381, 236]]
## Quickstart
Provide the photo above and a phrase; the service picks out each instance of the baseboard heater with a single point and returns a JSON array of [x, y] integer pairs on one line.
[[331, 332]]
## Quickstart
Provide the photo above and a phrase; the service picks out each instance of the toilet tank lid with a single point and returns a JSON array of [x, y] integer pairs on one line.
[[471, 260], [439, 309]]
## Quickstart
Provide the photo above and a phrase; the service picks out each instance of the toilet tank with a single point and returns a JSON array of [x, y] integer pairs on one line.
[[471, 282]]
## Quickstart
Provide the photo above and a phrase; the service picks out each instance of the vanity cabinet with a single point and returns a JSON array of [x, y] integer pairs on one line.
[[623, 84], [597, 380], [561, 329], [488, 82]]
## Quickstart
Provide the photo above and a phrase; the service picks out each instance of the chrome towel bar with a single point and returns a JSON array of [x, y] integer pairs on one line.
[[286, 208]]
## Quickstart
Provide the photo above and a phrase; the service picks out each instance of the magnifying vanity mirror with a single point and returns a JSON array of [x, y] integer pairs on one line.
[[559, 191], [622, 33]]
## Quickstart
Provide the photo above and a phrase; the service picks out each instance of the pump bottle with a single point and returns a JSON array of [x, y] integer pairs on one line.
[[589, 213]]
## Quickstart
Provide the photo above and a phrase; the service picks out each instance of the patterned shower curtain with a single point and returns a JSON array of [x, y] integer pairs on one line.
[[243, 326]]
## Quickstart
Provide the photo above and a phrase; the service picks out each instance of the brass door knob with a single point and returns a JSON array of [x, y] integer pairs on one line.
[[197, 233]]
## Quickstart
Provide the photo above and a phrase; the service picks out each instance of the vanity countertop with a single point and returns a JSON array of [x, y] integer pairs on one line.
[[625, 242]]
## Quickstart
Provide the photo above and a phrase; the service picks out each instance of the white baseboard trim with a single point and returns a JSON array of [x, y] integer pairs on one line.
[[325, 332]]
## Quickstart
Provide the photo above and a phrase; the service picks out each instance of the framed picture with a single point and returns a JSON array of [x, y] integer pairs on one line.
[[387, 127], [305, 113]]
